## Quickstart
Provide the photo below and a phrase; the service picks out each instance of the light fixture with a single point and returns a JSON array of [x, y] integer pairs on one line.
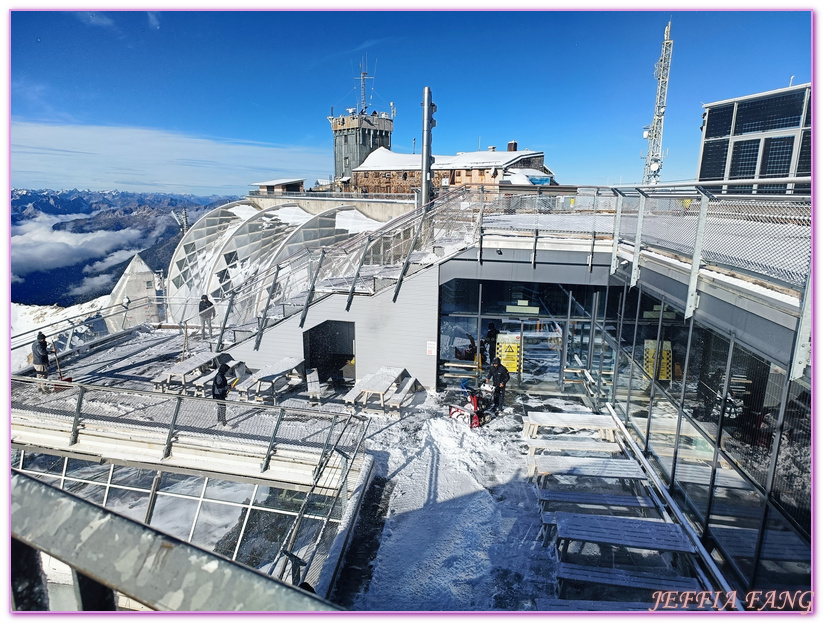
[[499, 252]]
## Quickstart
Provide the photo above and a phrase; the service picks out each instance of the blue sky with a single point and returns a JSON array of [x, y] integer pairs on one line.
[[210, 102]]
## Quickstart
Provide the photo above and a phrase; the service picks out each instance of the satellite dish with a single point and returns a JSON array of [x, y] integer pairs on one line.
[[645, 134], [654, 166]]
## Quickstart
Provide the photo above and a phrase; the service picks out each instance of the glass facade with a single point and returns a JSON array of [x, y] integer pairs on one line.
[[726, 430], [724, 427], [242, 521]]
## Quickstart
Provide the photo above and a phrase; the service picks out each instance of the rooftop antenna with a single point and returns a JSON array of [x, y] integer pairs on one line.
[[791, 80], [654, 132], [364, 75]]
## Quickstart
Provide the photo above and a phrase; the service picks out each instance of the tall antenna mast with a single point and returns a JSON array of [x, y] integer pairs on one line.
[[654, 156], [364, 75]]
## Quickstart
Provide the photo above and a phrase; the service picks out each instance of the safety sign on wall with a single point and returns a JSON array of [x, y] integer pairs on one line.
[[508, 349]]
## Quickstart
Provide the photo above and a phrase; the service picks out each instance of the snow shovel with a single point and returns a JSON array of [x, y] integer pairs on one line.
[[59, 373]]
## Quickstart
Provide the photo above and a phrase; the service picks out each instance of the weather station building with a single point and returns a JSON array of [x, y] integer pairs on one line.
[[384, 171]]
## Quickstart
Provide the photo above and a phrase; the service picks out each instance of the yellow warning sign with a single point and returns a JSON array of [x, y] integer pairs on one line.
[[508, 349]]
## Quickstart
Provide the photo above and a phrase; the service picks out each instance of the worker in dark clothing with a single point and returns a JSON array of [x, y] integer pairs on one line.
[[491, 340], [206, 314], [40, 359], [498, 377], [219, 391]]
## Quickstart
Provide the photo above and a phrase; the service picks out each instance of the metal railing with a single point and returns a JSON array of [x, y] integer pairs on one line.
[[399, 197], [324, 446]]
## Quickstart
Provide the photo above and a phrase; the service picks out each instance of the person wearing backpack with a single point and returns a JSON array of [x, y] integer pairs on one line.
[[219, 391], [498, 377]]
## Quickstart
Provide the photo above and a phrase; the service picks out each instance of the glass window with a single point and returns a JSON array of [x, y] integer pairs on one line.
[[132, 504], [750, 414], [218, 527], [174, 515], [46, 463], [693, 470], [713, 163], [785, 560], [136, 477], [87, 491], [15, 458], [804, 163], [459, 296], [229, 491], [281, 499], [262, 538], [87, 470], [791, 490], [181, 484], [719, 121], [770, 113], [704, 380]]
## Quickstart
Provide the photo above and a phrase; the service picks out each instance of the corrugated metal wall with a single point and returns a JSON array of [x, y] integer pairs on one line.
[[386, 333]]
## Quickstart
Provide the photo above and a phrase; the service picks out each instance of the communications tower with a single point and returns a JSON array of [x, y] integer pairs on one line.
[[654, 132], [358, 133]]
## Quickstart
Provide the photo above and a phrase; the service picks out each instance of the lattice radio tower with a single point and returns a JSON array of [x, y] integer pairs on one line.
[[654, 132]]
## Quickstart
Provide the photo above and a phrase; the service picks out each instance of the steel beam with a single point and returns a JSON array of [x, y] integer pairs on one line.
[[357, 272], [310, 294], [616, 231], [802, 356], [264, 318]]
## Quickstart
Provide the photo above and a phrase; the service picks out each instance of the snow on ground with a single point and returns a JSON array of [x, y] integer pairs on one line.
[[461, 525], [25, 318]]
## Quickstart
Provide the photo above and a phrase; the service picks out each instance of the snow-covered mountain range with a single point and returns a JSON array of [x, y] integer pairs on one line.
[[71, 246]]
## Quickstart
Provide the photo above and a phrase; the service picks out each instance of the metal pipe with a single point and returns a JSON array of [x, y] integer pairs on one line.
[[427, 159]]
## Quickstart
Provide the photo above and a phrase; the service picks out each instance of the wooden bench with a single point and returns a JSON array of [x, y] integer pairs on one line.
[[650, 580], [354, 393], [589, 605], [201, 384], [630, 532], [568, 445], [581, 421], [544, 465], [313, 386], [405, 388]]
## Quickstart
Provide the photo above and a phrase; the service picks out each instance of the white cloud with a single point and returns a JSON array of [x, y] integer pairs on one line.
[[95, 19], [60, 156], [35, 246], [92, 284]]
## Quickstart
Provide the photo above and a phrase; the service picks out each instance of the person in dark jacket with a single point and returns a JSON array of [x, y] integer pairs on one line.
[[206, 314], [498, 377], [491, 341], [40, 359], [219, 391]]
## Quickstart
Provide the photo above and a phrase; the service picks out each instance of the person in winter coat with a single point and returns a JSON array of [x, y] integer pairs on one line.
[[40, 359], [498, 377], [219, 391], [206, 314], [491, 341]]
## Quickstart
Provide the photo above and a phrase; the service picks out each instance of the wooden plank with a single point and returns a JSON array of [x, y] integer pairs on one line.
[[354, 393], [634, 532], [651, 580], [535, 419], [589, 467]]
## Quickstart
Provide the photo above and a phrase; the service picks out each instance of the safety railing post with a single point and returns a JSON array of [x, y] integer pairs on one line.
[[697, 254], [78, 409], [618, 213], [357, 272], [172, 426], [637, 238], [267, 459]]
